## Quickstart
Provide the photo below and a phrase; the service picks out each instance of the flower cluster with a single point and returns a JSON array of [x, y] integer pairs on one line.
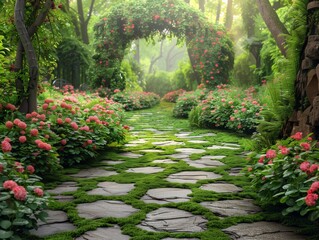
[[286, 172], [173, 95]]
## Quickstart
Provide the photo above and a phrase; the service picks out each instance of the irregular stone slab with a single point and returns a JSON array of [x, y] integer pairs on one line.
[[168, 161], [112, 162], [146, 170], [191, 176], [179, 155], [131, 155], [227, 208], [105, 208], [213, 157], [221, 188], [131, 145], [231, 145], [46, 230], [205, 163], [93, 172], [236, 172], [262, 231], [189, 150], [110, 233], [152, 151], [111, 189], [166, 195], [208, 135], [217, 147], [183, 134], [197, 141], [64, 187], [56, 222], [139, 141], [173, 220], [168, 143], [63, 198]]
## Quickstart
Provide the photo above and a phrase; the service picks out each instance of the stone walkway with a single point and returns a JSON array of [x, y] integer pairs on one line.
[[168, 208]]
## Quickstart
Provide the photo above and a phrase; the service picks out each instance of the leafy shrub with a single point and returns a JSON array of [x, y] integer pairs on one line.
[[173, 95], [228, 108], [288, 174], [184, 104], [22, 199], [136, 100]]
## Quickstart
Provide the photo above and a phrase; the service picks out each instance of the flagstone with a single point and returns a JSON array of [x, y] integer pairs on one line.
[[189, 150], [191, 176], [262, 231], [213, 157], [130, 155], [236, 172], [63, 198], [166, 195], [64, 187], [180, 239], [56, 222], [173, 220], [152, 151], [112, 162], [218, 147], [179, 155], [221, 187], [109, 233], [105, 208], [204, 163], [167, 161], [111, 189], [168, 143], [146, 170], [198, 141], [93, 172], [227, 208]]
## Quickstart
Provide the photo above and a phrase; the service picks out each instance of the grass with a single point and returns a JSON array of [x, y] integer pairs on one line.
[[145, 122]]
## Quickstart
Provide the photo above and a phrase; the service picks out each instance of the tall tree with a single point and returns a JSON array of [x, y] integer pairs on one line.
[[229, 15], [275, 26], [84, 20], [201, 5], [27, 28], [218, 11]]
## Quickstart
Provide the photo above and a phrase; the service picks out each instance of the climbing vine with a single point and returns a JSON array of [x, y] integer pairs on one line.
[[209, 48]]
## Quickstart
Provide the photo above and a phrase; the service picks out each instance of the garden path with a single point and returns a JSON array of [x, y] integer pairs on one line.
[[168, 182]]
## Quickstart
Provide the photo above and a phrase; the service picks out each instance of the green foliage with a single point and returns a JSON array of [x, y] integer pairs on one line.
[[288, 175], [136, 100], [133, 74], [211, 49], [228, 108], [22, 199], [243, 75], [183, 77], [159, 83]]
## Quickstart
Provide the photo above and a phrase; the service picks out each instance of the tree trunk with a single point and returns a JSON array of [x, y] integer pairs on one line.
[[275, 26], [229, 15], [137, 51], [218, 11], [155, 59], [305, 117], [201, 5], [84, 22], [28, 100]]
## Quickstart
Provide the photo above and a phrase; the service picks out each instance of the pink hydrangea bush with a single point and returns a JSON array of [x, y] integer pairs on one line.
[[173, 95], [22, 198], [288, 174]]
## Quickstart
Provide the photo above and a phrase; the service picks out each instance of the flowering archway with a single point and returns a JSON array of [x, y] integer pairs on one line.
[[209, 48]]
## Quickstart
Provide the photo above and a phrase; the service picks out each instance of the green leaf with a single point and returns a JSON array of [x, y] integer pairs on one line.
[[291, 192], [8, 211], [5, 234], [20, 222], [5, 197], [5, 224]]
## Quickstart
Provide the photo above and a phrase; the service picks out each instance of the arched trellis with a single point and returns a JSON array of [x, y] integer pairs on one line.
[[209, 48]]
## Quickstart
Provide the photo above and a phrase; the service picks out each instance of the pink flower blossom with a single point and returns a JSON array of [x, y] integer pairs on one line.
[[306, 146], [6, 146], [89, 141], [22, 139], [19, 167], [304, 166], [284, 150], [30, 169], [38, 192], [22, 125], [9, 124], [59, 121], [311, 199], [63, 141], [34, 132], [9, 184], [313, 168], [67, 120], [45, 106], [271, 154], [19, 193], [261, 159], [314, 187], [297, 136]]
